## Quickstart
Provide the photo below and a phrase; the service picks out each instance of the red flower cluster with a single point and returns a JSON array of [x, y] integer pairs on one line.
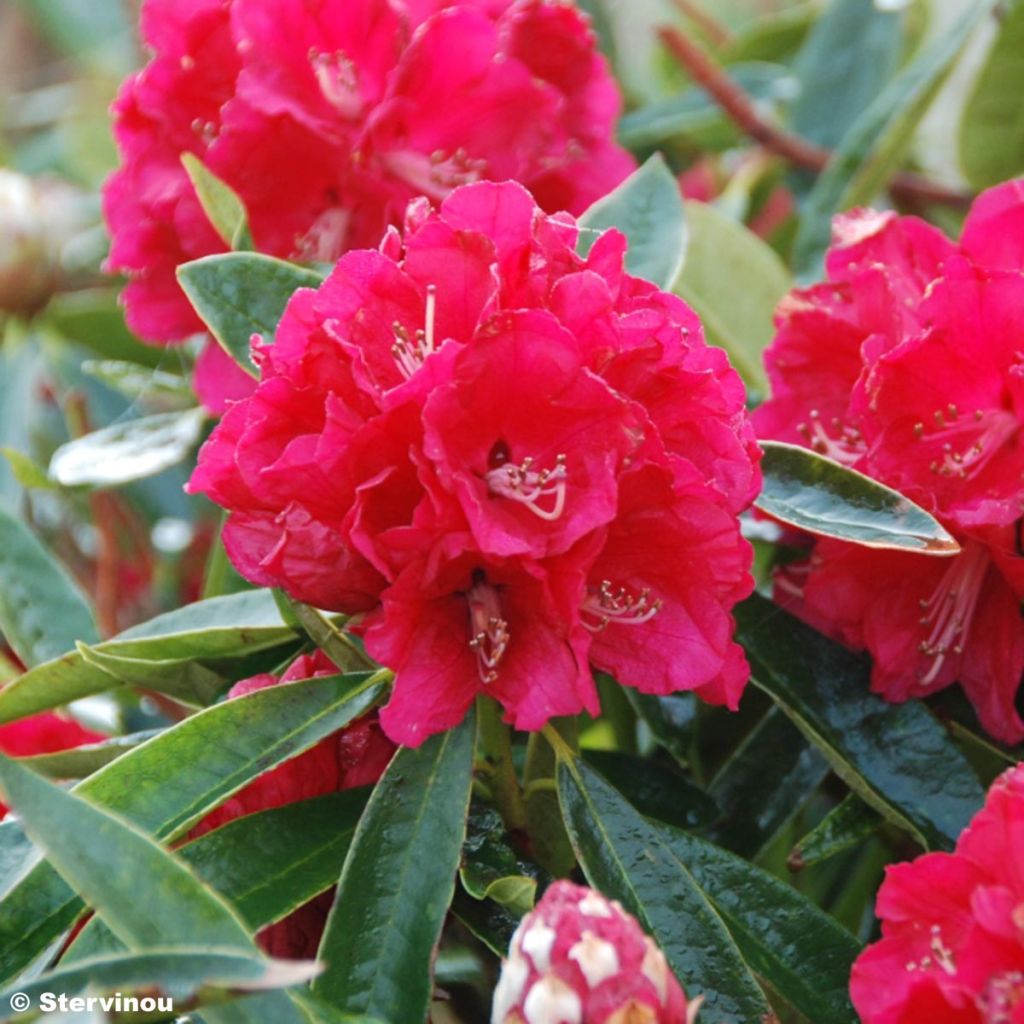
[[513, 460], [907, 364], [952, 947], [578, 958], [328, 116], [46, 733], [356, 756]]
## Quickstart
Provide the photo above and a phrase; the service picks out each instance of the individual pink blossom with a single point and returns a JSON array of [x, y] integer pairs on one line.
[[578, 958], [906, 365], [952, 946], [328, 116], [356, 756], [507, 461]]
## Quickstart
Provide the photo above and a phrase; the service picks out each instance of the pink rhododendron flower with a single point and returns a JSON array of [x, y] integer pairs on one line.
[[952, 947], [356, 756], [45, 733], [328, 116], [509, 461], [906, 364], [578, 958]]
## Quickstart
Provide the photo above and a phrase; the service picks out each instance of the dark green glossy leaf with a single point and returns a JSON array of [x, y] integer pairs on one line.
[[549, 841], [822, 497], [672, 720], [798, 949], [265, 865], [896, 757], [128, 451], [874, 145], [491, 869], [79, 762], [736, 307], [492, 923], [42, 611], [764, 784], [850, 53], [169, 783], [648, 209], [628, 859], [241, 294], [398, 881], [221, 203], [221, 627], [657, 790], [846, 825], [992, 125]]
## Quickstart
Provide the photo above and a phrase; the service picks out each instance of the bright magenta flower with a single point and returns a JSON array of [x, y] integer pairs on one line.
[[356, 756], [578, 958], [328, 116], [512, 461], [952, 947], [907, 365]]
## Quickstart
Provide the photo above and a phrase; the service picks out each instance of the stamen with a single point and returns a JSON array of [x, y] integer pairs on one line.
[[489, 636], [609, 604], [949, 611], [967, 445], [338, 78], [529, 487], [435, 176], [411, 353], [845, 448], [1002, 995]]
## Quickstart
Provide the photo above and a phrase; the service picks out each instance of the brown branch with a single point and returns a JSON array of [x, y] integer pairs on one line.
[[708, 24], [741, 111]]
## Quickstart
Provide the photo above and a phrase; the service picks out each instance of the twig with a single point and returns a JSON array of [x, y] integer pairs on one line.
[[742, 112]]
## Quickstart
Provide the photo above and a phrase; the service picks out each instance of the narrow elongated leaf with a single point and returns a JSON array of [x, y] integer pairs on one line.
[[79, 762], [398, 881], [764, 784], [875, 143], [672, 720], [846, 825], [132, 450], [42, 611], [20, 370], [628, 859], [734, 281], [992, 127], [896, 757], [802, 952], [169, 783], [221, 627], [182, 678], [221, 203], [822, 497], [242, 294], [648, 209], [265, 865]]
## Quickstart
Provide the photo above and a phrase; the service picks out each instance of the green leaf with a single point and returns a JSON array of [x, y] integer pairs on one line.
[[265, 865], [849, 55], [549, 842], [79, 762], [143, 384], [493, 924], [491, 869], [734, 281], [815, 494], [896, 757], [27, 472], [179, 972], [656, 789], [128, 451], [398, 881], [42, 611], [222, 627], [648, 209], [21, 369], [784, 938], [992, 128], [844, 826], [242, 294], [220, 202], [628, 859], [874, 145], [672, 720], [763, 785], [171, 782]]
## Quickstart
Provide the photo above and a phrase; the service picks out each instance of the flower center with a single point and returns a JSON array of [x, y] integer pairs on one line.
[[338, 78], [1002, 995], [436, 175], [948, 612], [411, 351], [941, 955], [542, 491], [610, 604], [845, 447], [324, 242], [488, 631], [967, 443]]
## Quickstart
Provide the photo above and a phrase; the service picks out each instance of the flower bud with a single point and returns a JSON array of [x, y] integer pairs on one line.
[[26, 275], [578, 958]]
